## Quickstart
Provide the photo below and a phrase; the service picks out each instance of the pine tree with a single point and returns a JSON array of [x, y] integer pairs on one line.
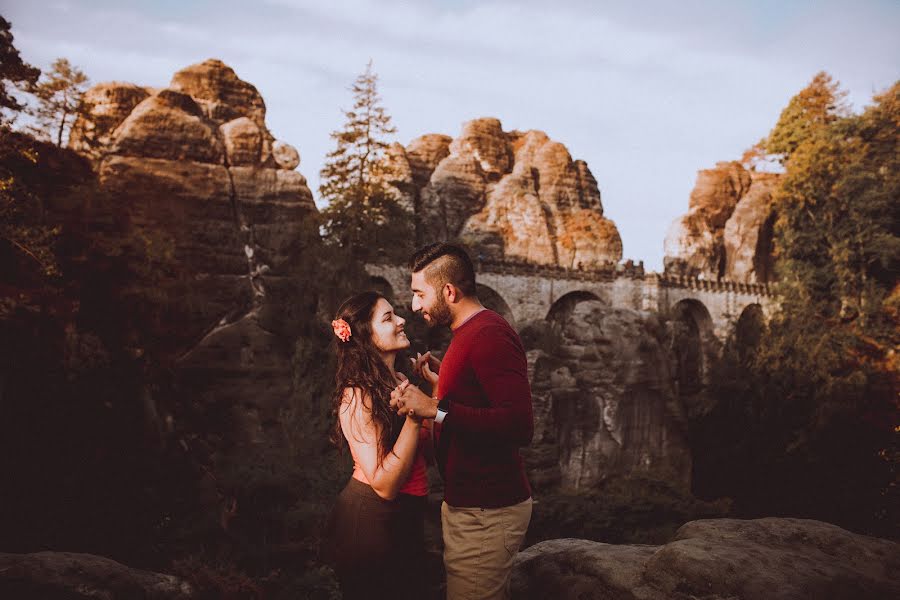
[[817, 105], [362, 215], [59, 95], [12, 71]]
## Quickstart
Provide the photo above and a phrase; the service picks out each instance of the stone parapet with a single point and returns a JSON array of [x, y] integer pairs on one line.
[[711, 285], [606, 272]]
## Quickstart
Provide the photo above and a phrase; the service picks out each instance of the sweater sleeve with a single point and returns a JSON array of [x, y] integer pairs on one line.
[[502, 371]]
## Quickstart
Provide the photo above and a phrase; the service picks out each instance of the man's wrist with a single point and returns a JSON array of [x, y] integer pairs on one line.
[[442, 409]]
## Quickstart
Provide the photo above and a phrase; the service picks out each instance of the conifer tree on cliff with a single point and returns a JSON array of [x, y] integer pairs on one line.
[[59, 94], [816, 106], [362, 215], [12, 71]]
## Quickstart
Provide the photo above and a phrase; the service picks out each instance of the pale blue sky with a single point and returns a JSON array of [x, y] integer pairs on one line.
[[647, 93]]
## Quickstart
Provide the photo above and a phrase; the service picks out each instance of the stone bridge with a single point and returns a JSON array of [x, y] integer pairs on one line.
[[524, 293]]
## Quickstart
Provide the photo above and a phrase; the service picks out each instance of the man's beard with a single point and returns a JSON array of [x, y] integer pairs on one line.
[[439, 313]]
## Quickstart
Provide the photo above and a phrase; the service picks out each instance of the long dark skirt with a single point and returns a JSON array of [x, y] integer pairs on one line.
[[376, 546]]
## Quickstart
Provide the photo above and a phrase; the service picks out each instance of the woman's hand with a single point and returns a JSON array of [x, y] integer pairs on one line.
[[410, 401], [398, 404]]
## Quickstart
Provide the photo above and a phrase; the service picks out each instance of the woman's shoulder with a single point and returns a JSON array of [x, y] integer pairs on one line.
[[356, 398]]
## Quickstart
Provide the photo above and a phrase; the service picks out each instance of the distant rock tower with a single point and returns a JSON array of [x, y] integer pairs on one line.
[[727, 231], [508, 195]]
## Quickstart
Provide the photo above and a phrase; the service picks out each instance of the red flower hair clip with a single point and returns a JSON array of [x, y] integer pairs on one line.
[[341, 329]]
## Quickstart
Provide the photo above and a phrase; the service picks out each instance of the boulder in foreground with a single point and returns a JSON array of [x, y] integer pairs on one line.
[[717, 559]]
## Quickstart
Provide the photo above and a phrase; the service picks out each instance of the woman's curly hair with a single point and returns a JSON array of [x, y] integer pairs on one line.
[[359, 365]]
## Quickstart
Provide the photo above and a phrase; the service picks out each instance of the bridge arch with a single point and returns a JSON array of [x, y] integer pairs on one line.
[[563, 307], [693, 344], [494, 301], [749, 328]]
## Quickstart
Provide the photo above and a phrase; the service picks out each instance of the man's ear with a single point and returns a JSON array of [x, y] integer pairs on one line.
[[451, 294]]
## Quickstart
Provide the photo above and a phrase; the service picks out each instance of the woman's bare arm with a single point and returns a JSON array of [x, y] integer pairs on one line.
[[362, 434]]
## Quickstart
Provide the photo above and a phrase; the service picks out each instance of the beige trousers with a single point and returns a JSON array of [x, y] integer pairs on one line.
[[479, 547]]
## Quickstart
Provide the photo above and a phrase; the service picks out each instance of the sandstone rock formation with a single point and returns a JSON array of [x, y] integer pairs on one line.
[[748, 233], [108, 104], [727, 231], [508, 195], [604, 402], [717, 559], [203, 181], [75, 576], [197, 160]]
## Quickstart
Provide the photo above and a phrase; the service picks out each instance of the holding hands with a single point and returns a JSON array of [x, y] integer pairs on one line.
[[410, 400]]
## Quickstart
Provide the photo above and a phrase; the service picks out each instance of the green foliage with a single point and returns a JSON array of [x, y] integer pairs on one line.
[[363, 214], [13, 72], [808, 416], [838, 227], [817, 105], [59, 94], [36, 180]]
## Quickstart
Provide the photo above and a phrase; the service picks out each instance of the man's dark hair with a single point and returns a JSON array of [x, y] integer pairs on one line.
[[451, 264]]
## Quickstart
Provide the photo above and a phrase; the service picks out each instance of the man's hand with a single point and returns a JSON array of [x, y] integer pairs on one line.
[[427, 367], [407, 397]]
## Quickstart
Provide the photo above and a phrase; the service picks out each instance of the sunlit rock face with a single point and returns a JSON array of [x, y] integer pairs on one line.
[[201, 179], [507, 195], [605, 404], [727, 231], [109, 104], [748, 233]]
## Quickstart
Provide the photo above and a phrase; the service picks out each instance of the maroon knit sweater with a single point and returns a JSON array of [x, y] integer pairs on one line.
[[484, 376]]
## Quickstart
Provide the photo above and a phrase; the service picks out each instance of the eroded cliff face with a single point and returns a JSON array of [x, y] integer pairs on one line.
[[727, 231], [507, 195], [605, 404], [198, 173]]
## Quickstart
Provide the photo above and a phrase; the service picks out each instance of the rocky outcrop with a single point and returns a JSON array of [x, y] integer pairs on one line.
[[747, 238], [83, 576], [208, 189], [507, 195], [199, 169], [718, 559], [604, 402], [222, 94], [727, 231], [108, 105]]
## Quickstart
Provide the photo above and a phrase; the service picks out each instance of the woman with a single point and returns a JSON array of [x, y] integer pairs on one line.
[[375, 536]]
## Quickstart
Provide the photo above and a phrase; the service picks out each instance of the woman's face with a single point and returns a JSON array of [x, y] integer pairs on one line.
[[387, 328]]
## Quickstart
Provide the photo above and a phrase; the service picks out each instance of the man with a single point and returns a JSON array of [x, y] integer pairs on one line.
[[483, 414]]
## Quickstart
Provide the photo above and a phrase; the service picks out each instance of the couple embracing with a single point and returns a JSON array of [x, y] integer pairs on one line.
[[476, 418]]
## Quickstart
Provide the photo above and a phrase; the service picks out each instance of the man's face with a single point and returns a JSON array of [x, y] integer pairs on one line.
[[429, 301]]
